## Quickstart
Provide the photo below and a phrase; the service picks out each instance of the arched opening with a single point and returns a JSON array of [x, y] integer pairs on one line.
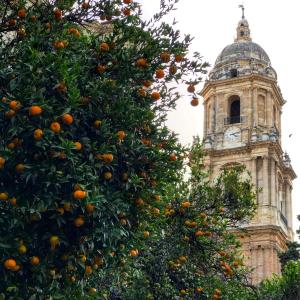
[[234, 110], [242, 33]]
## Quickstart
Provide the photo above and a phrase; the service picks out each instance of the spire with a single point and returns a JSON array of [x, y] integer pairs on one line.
[[243, 30]]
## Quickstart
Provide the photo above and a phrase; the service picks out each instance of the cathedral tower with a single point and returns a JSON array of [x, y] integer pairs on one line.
[[242, 125]]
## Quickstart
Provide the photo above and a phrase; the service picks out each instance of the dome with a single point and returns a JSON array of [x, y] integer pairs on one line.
[[243, 50], [243, 57]]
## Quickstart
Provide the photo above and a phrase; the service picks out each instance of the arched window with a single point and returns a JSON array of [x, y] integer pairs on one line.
[[234, 110], [233, 73], [242, 33]]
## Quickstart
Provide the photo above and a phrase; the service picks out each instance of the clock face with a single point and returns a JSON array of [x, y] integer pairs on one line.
[[232, 135]]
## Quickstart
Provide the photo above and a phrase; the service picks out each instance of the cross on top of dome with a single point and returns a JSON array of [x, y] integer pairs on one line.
[[243, 30]]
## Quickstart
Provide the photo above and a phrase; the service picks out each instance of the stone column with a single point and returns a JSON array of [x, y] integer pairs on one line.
[[273, 183], [205, 119], [269, 109], [265, 181], [254, 173], [288, 192], [255, 109]]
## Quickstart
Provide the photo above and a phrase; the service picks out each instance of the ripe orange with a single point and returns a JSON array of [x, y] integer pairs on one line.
[[160, 73], [173, 69], [67, 206], [155, 96], [89, 208], [13, 201], [60, 210], [59, 45], [101, 69], [14, 104], [222, 210], [34, 260], [12, 22], [155, 211], [104, 47], [97, 123], [141, 62], [33, 18], [78, 146], [22, 13], [191, 88], [67, 119], [10, 264], [126, 12], [133, 252], [173, 157], [38, 134], [9, 114], [79, 195], [165, 57], [79, 221], [3, 196], [147, 83], [142, 92], [127, 1], [88, 270], [194, 102], [107, 158], [92, 291], [35, 110], [235, 263], [57, 14], [157, 197], [186, 204], [85, 5], [121, 135], [2, 160], [178, 58], [139, 202], [199, 233], [55, 127], [107, 175], [20, 168], [199, 290]]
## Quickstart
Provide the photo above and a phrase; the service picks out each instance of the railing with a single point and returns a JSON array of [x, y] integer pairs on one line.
[[283, 218], [234, 120]]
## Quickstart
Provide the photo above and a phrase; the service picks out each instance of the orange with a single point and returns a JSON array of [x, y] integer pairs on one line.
[[3, 196], [59, 45], [34, 260], [55, 127], [12, 22], [142, 92], [22, 13], [173, 69], [202, 215], [127, 1], [101, 69], [97, 123], [173, 157], [194, 102], [160, 73], [133, 252], [74, 31], [16, 268], [35, 110], [22, 249], [14, 104], [33, 18], [141, 62], [85, 5], [186, 204], [126, 11], [199, 233], [146, 234], [121, 135], [107, 158], [199, 290], [79, 194], [139, 202], [235, 263], [147, 83], [57, 14], [155, 96], [20, 168], [54, 241], [89, 208], [60, 210], [155, 211], [104, 47], [9, 114], [88, 270], [2, 160], [78, 146], [107, 175], [38, 134], [165, 57], [79, 221], [178, 58], [67, 206], [13, 201], [157, 197], [10, 264], [222, 209], [191, 88], [21, 32], [11, 146], [92, 291], [67, 119]]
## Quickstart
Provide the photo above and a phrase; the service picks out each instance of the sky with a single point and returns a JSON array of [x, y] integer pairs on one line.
[[275, 26]]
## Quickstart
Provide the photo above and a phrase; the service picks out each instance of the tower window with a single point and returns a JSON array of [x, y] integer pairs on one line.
[[242, 33], [234, 110], [233, 73], [242, 25]]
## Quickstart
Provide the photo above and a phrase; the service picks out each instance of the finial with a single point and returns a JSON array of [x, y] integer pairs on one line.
[[243, 10]]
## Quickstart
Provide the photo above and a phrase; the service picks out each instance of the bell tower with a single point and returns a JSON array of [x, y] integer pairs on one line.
[[242, 124]]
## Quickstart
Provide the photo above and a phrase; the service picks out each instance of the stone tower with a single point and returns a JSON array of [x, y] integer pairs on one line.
[[242, 125]]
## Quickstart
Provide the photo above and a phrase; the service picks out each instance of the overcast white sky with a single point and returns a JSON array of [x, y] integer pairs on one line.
[[275, 26]]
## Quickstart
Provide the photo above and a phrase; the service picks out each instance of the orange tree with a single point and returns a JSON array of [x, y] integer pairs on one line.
[[83, 150], [193, 250]]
